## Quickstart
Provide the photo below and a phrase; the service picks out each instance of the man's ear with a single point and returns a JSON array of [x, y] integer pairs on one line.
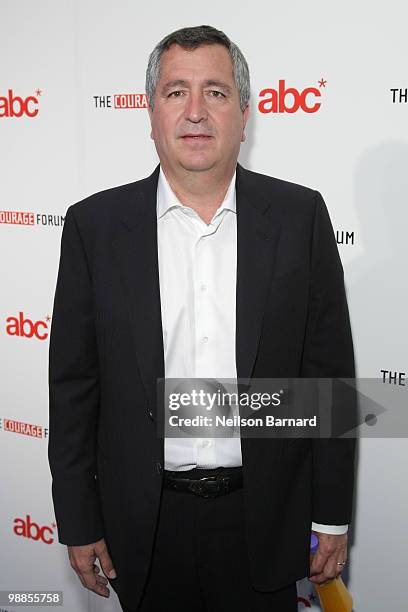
[[245, 117], [149, 110]]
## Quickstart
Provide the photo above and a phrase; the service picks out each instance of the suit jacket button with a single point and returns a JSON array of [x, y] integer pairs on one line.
[[159, 468], [151, 415]]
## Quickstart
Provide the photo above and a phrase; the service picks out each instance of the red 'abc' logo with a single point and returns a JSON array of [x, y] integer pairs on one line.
[[26, 328], [32, 531], [275, 101], [16, 106]]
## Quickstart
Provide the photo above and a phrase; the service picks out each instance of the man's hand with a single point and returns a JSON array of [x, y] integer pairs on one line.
[[331, 550], [82, 559]]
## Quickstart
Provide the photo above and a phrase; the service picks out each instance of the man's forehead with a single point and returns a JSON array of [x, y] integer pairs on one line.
[[176, 58], [204, 49]]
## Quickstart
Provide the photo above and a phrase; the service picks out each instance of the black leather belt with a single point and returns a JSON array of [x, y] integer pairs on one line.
[[212, 483]]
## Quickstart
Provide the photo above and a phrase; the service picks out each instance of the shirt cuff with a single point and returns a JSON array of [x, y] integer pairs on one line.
[[330, 529]]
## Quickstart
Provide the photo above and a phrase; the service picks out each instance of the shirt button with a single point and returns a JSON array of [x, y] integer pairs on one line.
[[206, 443], [203, 287], [204, 339]]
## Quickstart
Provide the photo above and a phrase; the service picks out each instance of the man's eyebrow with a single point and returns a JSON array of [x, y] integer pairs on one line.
[[215, 83], [175, 83], [208, 83]]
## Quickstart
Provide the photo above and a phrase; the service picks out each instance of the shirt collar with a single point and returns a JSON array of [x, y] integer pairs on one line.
[[166, 198]]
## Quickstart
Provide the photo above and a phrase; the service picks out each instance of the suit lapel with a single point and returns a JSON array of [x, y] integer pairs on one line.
[[258, 232], [135, 251]]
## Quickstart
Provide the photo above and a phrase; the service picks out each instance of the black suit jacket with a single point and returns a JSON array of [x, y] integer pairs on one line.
[[106, 354]]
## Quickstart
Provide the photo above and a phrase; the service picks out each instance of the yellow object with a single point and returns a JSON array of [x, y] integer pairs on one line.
[[334, 596]]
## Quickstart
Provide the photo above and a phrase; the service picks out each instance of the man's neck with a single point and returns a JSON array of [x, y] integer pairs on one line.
[[204, 192]]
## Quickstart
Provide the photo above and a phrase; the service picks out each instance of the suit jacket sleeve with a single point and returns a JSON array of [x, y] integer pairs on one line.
[[74, 396], [328, 352]]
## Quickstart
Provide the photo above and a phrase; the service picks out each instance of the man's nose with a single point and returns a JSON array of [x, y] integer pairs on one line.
[[196, 109]]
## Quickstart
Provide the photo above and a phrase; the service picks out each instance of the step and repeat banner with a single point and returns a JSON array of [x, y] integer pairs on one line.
[[329, 109]]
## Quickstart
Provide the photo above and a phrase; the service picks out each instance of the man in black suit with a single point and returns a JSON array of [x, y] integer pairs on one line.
[[202, 269]]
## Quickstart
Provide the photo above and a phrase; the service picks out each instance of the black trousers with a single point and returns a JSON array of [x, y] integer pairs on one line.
[[200, 559]]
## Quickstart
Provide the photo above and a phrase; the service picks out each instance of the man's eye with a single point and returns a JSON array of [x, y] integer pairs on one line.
[[218, 93], [173, 94]]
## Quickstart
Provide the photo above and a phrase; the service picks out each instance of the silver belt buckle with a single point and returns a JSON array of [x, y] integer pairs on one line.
[[199, 487]]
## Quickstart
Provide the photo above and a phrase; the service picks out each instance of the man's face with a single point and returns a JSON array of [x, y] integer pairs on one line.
[[197, 123]]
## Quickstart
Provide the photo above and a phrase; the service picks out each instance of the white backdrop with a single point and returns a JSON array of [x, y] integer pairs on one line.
[[62, 59]]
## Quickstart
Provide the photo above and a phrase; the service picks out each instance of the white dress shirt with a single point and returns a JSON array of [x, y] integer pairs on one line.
[[197, 273]]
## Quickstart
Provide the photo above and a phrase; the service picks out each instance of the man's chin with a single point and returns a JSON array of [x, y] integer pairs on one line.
[[197, 166]]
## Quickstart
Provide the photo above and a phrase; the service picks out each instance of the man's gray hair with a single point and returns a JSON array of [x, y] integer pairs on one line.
[[191, 38]]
